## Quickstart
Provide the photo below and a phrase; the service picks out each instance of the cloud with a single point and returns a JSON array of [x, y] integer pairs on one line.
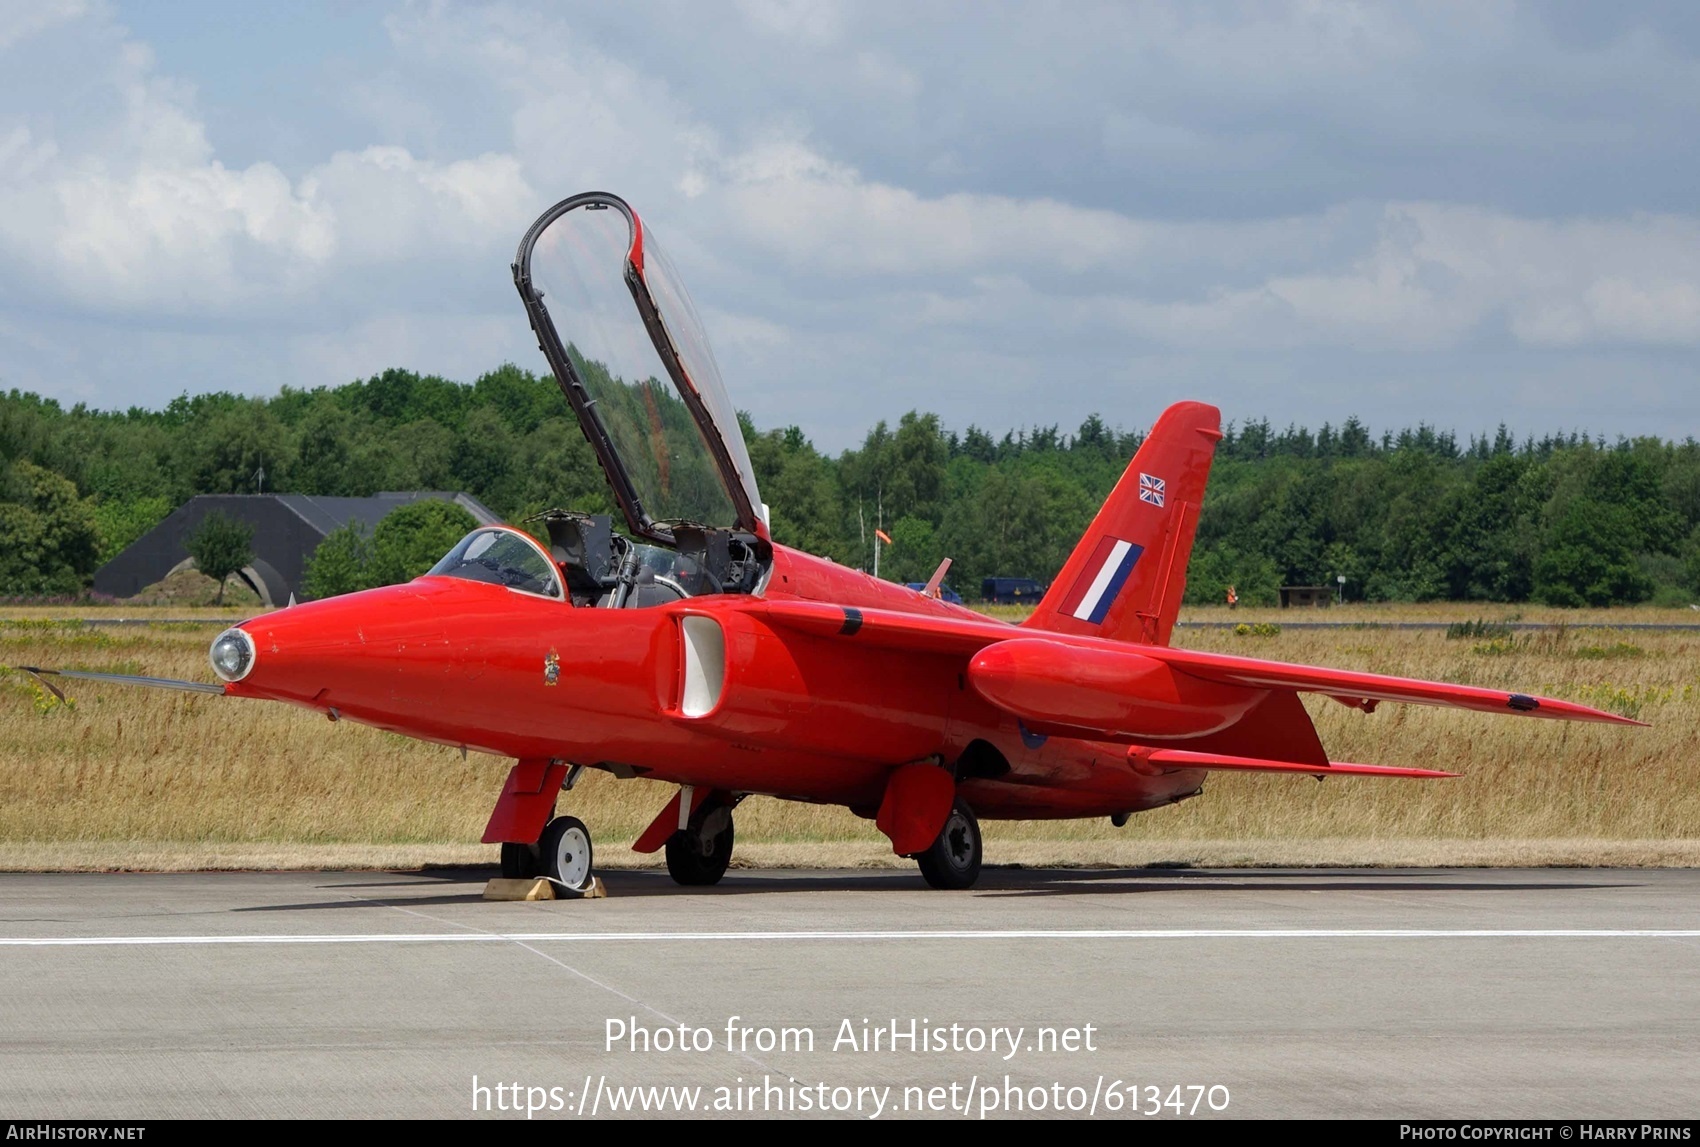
[[812, 22], [21, 19], [1398, 275], [987, 209], [135, 215]]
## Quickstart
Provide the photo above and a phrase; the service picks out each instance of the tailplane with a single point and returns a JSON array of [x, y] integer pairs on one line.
[[1126, 577]]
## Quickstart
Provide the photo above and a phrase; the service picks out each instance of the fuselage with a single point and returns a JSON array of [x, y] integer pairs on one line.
[[703, 692]]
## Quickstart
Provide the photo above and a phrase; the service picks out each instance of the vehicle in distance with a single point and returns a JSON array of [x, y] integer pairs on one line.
[[1011, 591], [945, 592]]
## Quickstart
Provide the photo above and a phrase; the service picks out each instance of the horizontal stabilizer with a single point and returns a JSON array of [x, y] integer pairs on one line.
[[1170, 759], [1355, 688], [42, 675]]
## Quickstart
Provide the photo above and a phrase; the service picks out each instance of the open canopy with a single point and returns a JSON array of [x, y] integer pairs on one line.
[[630, 354]]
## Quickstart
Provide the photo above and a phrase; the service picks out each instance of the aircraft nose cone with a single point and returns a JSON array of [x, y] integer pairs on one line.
[[232, 655], [353, 649]]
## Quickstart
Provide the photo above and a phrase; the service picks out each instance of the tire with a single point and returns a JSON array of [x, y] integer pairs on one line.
[[567, 857], [694, 861], [521, 861], [952, 862]]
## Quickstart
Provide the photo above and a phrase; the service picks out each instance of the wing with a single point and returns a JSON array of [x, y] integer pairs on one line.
[[1089, 684], [888, 629]]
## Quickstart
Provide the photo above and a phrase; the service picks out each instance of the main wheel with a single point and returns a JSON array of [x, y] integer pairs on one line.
[[521, 861], [699, 854], [953, 860], [566, 853]]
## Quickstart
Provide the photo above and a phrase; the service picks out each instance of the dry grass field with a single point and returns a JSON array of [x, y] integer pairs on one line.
[[127, 778]]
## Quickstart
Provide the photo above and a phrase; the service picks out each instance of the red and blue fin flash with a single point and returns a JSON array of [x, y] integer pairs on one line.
[[1102, 579]]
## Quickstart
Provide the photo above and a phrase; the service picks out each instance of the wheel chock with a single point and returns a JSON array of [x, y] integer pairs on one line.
[[505, 889], [541, 888], [596, 891]]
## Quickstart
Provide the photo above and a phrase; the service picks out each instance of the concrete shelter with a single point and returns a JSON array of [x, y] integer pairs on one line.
[[287, 529]]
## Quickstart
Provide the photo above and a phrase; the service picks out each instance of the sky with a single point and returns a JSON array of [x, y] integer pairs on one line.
[[1011, 214]]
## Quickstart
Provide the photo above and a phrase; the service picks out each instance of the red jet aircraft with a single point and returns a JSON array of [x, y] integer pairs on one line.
[[695, 649]]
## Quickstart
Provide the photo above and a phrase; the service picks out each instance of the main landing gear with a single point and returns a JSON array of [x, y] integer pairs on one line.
[[563, 854], [953, 860], [698, 854]]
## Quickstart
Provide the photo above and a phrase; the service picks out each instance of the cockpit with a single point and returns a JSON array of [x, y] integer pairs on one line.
[[501, 556], [590, 564], [605, 568], [630, 355]]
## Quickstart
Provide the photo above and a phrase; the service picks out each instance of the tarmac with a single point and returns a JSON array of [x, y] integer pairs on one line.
[[1135, 994]]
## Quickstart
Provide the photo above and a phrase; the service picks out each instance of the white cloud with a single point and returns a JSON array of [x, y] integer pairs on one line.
[[1429, 275], [810, 22], [827, 264], [21, 19], [135, 213], [456, 345], [390, 206]]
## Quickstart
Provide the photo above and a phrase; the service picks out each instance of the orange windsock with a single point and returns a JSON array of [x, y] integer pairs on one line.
[[883, 536]]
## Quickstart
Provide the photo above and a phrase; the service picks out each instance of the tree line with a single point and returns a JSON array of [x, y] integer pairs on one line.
[[1406, 515]]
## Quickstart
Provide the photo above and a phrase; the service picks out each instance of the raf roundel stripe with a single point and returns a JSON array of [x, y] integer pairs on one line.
[[1102, 579]]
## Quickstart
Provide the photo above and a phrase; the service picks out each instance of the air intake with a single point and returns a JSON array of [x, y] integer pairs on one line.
[[705, 665]]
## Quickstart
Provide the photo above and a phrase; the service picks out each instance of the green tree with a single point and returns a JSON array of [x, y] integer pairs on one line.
[[557, 467], [221, 546], [48, 539], [520, 397], [1213, 570], [913, 554], [1487, 542], [801, 490], [226, 444], [412, 539], [916, 463], [121, 521], [325, 461], [1589, 558], [341, 563]]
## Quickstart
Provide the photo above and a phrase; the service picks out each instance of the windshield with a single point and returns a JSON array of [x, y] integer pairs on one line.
[[501, 557], [679, 464]]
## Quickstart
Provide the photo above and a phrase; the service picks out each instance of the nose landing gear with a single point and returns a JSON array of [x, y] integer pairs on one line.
[[565, 853], [562, 851]]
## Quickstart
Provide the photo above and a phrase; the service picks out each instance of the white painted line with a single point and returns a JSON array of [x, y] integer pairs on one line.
[[884, 936]]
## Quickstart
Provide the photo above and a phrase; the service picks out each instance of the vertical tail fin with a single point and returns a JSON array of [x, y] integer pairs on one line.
[[1125, 578]]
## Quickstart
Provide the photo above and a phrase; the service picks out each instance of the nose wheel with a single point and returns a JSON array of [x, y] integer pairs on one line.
[[564, 853], [953, 860], [698, 854]]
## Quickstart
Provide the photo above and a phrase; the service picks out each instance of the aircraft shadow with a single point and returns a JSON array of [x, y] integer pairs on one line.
[[1002, 883], [1032, 882]]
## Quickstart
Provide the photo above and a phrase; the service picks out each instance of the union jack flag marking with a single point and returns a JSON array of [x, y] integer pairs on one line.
[[1152, 490]]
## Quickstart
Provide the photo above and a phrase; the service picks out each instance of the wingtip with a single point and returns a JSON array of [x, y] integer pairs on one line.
[[1568, 711], [1606, 717]]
